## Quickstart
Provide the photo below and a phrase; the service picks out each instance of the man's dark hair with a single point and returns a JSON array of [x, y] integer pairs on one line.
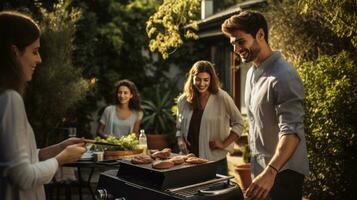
[[247, 21]]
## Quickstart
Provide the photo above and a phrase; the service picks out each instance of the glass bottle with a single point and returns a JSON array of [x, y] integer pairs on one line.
[[143, 141]]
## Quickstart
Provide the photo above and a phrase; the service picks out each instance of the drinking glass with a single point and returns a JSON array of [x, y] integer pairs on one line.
[[72, 132]]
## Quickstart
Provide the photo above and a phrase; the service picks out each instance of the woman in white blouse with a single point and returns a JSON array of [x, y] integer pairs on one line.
[[125, 116], [208, 121], [24, 169]]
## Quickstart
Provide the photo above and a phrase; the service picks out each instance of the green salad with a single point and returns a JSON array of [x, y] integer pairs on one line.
[[126, 143]]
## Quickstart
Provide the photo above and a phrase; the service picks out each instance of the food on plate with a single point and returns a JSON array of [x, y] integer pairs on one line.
[[142, 159], [163, 154], [163, 164], [195, 160], [189, 156], [177, 160], [151, 151]]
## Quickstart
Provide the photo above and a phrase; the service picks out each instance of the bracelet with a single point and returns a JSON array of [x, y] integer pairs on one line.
[[275, 169]]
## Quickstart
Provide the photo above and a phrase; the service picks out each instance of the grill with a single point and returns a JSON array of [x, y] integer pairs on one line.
[[183, 182]]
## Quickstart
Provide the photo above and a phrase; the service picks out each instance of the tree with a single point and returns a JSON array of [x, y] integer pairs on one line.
[[175, 21], [301, 37], [164, 25], [57, 85], [338, 16]]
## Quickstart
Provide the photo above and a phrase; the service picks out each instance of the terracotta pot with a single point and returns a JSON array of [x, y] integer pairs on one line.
[[114, 155], [157, 141], [244, 174]]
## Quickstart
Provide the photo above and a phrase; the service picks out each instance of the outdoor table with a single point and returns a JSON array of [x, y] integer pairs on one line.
[[89, 164]]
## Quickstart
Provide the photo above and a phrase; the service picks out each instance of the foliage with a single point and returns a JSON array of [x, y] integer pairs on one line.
[[174, 106], [330, 126], [57, 85], [157, 112], [111, 44], [338, 16], [176, 21], [224, 4], [246, 154], [126, 143], [301, 37], [163, 27], [243, 141]]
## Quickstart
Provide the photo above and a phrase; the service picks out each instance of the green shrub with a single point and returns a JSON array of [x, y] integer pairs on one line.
[[330, 126], [57, 85], [158, 118]]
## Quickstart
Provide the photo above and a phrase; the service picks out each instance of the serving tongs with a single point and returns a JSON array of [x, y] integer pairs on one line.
[[101, 143]]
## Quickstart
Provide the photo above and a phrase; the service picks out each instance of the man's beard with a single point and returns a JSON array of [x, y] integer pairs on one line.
[[252, 53]]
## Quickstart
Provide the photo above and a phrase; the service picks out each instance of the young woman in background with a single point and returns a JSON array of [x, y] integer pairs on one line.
[[125, 116]]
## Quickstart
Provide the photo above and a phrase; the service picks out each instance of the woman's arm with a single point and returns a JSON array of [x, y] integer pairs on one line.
[[181, 141], [218, 144], [53, 150], [236, 123], [136, 128], [100, 130], [17, 146], [182, 144], [26, 175]]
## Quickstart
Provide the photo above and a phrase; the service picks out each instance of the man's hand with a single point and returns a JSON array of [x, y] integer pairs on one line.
[[71, 153], [216, 144], [261, 185]]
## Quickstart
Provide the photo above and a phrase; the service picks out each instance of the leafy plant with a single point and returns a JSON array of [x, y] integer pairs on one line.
[[163, 27], [158, 118], [339, 16], [330, 126], [246, 154]]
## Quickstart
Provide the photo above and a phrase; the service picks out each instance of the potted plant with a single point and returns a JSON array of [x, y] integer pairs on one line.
[[158, 119], [244, 170]]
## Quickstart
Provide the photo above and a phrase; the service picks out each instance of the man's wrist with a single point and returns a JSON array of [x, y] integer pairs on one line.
[[273, 168]]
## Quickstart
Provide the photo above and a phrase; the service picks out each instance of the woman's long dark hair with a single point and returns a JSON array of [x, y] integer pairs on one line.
[[18, 30], [135, 102], [190, 90]]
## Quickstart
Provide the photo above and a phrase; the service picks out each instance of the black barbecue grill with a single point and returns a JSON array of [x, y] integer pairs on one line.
[[182, 182]]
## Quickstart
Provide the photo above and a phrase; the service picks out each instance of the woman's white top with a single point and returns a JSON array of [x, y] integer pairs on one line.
[[119, 127], [219, 118], [22, 176]]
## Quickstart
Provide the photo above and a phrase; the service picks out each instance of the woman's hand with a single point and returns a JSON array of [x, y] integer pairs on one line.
[[71, 153], [70, 141], [182, 144]]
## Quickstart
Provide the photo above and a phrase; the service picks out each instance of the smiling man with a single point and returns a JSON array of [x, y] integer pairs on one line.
[[274, 97]]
